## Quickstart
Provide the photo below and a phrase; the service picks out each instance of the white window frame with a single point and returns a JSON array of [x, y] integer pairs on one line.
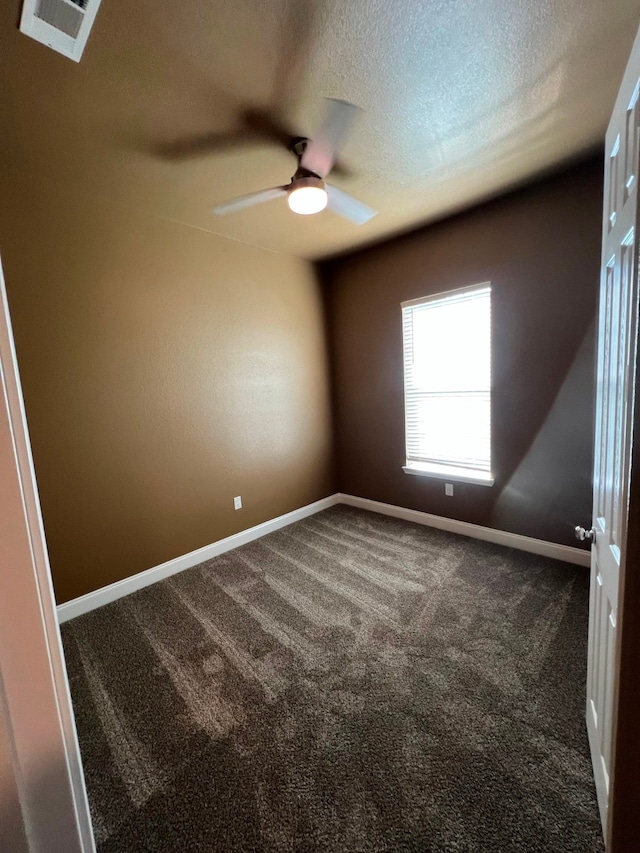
[[438, 470]]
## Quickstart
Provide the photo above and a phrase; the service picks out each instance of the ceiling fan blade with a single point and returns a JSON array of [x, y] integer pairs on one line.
[[322, 150], [255, 126], [249, 200], [346, 205], [267, 125], [299, 40], [199, 145]]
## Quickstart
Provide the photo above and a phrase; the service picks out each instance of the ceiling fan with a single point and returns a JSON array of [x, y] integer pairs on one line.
[[308, 192]]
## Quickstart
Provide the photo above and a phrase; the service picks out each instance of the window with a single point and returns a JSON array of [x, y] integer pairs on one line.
[[447, 384]]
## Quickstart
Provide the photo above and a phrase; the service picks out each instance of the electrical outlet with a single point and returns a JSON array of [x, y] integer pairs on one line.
[[237, 502], [448, 489]]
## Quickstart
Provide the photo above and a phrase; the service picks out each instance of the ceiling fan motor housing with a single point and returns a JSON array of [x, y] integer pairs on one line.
[[306, 180]]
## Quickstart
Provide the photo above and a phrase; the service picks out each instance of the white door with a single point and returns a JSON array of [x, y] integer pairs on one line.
[[43, 803], [618, 316]]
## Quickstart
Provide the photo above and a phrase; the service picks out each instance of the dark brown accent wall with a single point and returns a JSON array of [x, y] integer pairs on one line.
[[165, 370], [540, 248]]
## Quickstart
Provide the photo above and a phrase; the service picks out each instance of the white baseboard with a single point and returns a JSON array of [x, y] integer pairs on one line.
[[110, 593], [107, 594], [475, 531]]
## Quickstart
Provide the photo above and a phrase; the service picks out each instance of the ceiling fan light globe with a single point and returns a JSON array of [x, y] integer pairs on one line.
[[307, 196]]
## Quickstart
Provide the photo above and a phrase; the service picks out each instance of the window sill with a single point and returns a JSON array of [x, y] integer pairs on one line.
[[452, 474]]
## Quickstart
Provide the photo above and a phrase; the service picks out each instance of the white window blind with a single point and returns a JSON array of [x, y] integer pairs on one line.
[[447, 381]]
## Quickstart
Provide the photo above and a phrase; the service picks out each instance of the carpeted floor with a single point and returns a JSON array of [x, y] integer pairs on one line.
[[349, 684]]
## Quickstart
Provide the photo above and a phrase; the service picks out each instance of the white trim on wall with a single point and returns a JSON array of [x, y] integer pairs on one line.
[[107, 594], [475, 531]]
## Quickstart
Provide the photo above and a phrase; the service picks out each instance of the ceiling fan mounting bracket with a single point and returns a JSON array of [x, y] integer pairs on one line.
[[298, 146]]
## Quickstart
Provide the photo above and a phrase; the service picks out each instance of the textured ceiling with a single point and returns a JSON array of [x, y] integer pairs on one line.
[[461, 100]]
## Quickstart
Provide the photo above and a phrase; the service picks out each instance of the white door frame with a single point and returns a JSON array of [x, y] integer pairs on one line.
[[37, 726]]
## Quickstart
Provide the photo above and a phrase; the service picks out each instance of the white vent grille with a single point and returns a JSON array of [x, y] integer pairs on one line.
[[63, 25], [61, 15]]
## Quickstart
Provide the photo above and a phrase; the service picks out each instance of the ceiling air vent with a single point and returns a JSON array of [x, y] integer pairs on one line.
[[63, 25]]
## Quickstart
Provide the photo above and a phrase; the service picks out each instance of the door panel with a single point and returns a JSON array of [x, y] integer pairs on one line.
[[614, 411]]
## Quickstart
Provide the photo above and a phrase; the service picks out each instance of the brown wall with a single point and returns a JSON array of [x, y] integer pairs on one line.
[[540, 248], [165, 370]]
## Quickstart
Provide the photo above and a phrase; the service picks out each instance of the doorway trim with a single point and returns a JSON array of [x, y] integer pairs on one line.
[[35, 703]]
